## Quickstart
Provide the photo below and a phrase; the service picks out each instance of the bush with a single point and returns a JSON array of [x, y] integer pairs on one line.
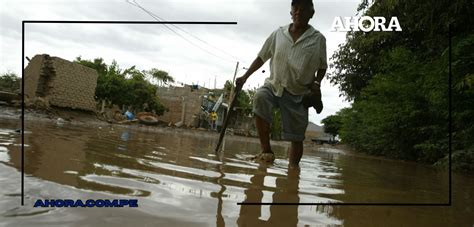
[[10, 82]]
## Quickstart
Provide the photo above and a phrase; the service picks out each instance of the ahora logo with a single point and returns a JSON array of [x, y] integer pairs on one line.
[[365, 24]]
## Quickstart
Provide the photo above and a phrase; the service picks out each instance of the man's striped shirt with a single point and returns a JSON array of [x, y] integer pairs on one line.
[[293, 65]]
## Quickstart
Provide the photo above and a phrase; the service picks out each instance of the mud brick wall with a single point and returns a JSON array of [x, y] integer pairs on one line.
[[32, 74], [61, 82], [172, 98], [174, 106], [73, 86]]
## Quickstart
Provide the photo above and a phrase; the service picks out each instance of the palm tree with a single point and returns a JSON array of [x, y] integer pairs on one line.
[[161, 76]]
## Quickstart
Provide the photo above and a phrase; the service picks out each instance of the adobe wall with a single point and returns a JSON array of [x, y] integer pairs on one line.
[[32, 74], [61, 82], [172, 98], [74, 85]]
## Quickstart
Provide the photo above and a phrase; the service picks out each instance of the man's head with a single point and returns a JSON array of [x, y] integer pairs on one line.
[[301, 12]]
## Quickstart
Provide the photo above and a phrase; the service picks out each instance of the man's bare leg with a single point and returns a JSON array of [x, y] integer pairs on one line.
[[296, 151], [263, 130]]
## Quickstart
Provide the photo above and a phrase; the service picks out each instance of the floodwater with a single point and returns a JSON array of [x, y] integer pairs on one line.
[[179, 181]]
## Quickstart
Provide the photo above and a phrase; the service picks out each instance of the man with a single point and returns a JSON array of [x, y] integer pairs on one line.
[[297, 66]]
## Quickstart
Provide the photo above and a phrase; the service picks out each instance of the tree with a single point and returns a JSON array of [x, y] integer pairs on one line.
[[399, 86], [123, 87], [98, 64], [228, 86], [10, 82], [244, 99], [332, 124], [425, 29], [160, 76]]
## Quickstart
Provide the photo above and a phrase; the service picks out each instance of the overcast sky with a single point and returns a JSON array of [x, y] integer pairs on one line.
[[156, 46]]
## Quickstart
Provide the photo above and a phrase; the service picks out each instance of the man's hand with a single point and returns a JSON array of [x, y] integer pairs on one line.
[[315, 87], [313, 99], [256, 64]]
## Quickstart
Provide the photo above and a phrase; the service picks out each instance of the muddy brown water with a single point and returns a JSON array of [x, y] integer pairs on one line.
[[179, 181]]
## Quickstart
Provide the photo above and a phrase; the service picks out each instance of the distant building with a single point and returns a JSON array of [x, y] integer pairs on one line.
[[192, 106], [62, 83], [183, 103]]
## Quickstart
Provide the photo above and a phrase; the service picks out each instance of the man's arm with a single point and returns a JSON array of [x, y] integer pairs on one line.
[[323, 62], [256, 64], [317, 80], [320, 75]]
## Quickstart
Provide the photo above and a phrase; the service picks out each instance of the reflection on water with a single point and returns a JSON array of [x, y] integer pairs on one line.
[[178, 179], [287, 193]]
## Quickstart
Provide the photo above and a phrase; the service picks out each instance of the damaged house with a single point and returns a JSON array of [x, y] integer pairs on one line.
[[60, 82]]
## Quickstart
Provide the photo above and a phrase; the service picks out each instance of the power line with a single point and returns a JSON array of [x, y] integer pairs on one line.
[[156, 17], [216, 48]]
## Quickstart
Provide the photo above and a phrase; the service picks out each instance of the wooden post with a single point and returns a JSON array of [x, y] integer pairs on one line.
[[233, 99], [233, 82]]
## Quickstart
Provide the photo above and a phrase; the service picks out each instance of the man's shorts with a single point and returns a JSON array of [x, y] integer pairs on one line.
[[294, 116]]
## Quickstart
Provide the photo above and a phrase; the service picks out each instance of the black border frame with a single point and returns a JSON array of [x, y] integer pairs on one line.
[[216, 23]]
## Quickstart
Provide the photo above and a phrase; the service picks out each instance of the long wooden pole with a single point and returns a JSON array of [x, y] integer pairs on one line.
[[233, 80], [233, 94]]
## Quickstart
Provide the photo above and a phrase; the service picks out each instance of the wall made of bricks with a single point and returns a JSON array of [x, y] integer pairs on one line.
[[174, 109], [73, 86], [172, 98], [32, 74]]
